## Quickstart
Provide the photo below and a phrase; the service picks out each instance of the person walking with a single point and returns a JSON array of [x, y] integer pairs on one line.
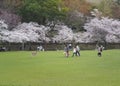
[[99, 52], [100, 49], [66, 51], [74, 52], [77, 50]]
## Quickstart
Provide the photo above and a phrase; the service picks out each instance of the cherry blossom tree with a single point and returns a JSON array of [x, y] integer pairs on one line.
[[3, 29], [102, 28], [31, 30], [94, 27], [3, 25], [82, 37], [26, 32], [65, 34], [10, 18]]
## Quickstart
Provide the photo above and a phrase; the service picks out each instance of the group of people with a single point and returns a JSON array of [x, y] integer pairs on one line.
[[76, 51]]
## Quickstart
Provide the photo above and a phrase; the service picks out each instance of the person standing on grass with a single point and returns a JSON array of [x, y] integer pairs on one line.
[[99, 51], [70, 46], [74, 52], [66, 51], [77, 50], [101, 48]]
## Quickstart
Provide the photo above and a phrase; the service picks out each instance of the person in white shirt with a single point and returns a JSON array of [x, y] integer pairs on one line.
[[74, 52], [77, 50]]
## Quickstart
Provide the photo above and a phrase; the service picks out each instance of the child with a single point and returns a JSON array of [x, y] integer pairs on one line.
[[99, 51], [77, 50], [74, 52]]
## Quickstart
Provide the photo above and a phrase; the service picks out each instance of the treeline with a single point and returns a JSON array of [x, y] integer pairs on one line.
[[73, 13]]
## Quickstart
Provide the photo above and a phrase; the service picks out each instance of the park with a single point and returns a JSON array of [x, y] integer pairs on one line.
[[51, 68], [59, 42]]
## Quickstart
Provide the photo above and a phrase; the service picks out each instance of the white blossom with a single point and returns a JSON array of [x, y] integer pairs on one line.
[[33, 31], [103, 29], [3, 25], [65, 34], [82, 37], [100, 28], [112, 39], [26, 32]]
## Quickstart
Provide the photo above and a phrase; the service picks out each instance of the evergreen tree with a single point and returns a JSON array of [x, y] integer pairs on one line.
[[42, 10]]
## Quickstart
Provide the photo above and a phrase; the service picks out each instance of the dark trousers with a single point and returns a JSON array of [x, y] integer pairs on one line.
[[78, 53], [74, 53], [99, 54]]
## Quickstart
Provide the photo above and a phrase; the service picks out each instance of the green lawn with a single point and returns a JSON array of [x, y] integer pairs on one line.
[[51, 68]]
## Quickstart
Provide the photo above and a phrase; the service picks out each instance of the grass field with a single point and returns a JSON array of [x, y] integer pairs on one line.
[[51, 68]]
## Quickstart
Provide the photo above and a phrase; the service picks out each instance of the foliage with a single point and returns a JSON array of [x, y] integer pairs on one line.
[[10, 4], [117, 1], [116, 10], [42, 11], [77, 14], [80, 5], [75, 20], [109, 8]]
